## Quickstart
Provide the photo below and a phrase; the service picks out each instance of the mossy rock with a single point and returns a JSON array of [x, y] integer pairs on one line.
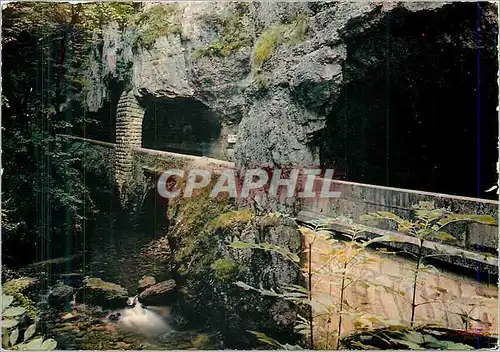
[[202, 342], [225, 270], [20, 285], [60, 295], [20, 289], [98, 292], [233, 218]]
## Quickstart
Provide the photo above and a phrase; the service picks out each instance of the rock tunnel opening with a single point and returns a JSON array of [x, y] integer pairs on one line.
[[184, 126], [418, 106]]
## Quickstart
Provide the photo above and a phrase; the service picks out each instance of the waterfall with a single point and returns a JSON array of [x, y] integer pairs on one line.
[[150, 321]]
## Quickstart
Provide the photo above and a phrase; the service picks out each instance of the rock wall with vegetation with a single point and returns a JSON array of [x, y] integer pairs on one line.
[[197, 249], [272, 72]]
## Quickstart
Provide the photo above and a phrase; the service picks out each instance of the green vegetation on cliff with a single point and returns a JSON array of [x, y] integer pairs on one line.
[[282, 34], [234, 31], [155, 22]]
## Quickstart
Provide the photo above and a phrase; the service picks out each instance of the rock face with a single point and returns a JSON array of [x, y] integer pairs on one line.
[[206, 268], [157, 294], [98, 292], [270, 71]]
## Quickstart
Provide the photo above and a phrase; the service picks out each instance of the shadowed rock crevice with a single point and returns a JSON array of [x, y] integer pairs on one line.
[[417, 108]]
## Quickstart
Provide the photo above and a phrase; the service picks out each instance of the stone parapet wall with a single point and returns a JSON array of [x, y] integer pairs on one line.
[[357, 199]]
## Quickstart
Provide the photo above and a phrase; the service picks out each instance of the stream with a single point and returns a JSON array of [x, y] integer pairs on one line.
[[113, 255]]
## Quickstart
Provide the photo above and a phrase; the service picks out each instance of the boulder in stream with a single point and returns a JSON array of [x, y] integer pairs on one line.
[[157, 294], [145, 282], [98, 292], [60, 295]]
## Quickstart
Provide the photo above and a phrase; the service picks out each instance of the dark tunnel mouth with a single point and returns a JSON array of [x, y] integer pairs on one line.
[[181, 125], [422, 66]]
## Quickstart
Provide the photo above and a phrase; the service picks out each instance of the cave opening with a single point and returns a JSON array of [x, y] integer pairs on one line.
[[418, 105], [184, 126]]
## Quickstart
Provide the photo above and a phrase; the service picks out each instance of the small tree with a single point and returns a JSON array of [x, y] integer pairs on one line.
[[428, 225], [341, 259]]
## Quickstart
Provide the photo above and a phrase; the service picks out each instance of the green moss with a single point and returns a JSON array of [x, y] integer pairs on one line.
[[16, 288], [194, 233], [234, 33], [17, 285], [265, 46], [28, 304], [225, 270], [232, 218], [260, 80], [155, 22], [282, 34], [99, 284], [298, 29]]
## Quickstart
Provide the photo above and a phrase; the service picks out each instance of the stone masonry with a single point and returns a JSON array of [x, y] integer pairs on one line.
[[128, 135]]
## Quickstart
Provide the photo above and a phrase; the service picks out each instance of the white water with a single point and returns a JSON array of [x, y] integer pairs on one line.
[[150, 321]]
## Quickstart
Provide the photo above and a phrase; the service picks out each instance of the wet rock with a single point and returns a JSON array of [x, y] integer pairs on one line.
[[145, 282], [114, 317], [72, 279], [98, 292], [157, 294], [60, 294]]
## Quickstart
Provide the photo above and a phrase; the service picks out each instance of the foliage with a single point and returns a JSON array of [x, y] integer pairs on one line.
[[288, 34], [233, 30], [339, 271], [16, 288], [400, 337], [155, 22], [265, 46], [42, 91], [429, 224], [272, 342], [11, 317]]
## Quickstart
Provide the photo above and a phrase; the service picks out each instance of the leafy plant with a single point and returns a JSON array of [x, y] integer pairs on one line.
[[11, 316], [398, 337], [340, 266], [340, 260], [429, 224]]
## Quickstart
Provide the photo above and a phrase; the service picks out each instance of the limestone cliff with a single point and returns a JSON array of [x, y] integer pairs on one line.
[[271, 72]]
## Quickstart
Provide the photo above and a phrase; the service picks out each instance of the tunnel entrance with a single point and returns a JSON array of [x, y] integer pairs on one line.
[[418, 107], [183, 126]]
